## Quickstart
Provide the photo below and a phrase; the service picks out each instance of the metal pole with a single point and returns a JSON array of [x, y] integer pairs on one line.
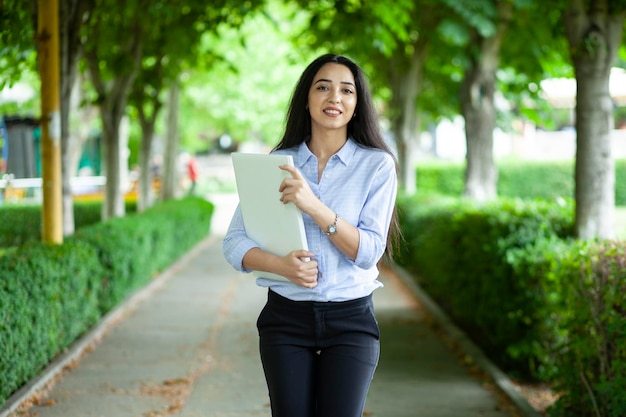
[[48, 54]]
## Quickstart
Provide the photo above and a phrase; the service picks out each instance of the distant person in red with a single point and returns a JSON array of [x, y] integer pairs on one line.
[[192, 167]]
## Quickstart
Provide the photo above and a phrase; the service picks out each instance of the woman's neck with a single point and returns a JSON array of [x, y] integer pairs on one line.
[[324, 144]]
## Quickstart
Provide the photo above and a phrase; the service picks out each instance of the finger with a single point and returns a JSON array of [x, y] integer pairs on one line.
[[303, 254], [292, 170], [284, 184], [309, 282]]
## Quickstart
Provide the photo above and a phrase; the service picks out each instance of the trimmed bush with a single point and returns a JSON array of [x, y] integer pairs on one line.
[[133, 248], [48, 297], [22, 223], [584, 285], [532, 180], [459, 252], [19, 224], [536, 180], [51, 294], [541, 304]]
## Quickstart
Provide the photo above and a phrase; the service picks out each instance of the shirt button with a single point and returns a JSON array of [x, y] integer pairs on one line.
[[316, 250]]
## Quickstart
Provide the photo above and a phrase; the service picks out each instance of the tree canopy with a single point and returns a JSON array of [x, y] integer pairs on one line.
[[236, 62]]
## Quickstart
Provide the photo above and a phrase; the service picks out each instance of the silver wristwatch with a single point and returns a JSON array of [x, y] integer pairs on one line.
[[332, 229]]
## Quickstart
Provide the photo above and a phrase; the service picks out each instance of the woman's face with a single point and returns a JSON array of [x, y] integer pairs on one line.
[[332, 97]]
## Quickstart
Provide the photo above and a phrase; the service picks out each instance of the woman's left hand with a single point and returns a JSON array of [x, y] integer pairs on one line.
[[296, 190]]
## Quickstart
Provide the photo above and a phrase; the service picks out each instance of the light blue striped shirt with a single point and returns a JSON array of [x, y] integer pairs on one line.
[[360, 185]]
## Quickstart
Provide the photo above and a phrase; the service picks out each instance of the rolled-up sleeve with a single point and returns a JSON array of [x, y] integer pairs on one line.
[[236, 243], [376, 215]]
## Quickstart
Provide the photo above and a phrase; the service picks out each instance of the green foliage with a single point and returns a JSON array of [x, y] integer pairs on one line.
[[377, 25], [477, 14], [583, 284], [620, 180], [258, 89], [48, 297], [541, 304], [51, 294], [134, 247], [440, 178], [166, 27], [17, 48], [551, 180], [592, 358], [19, 224], [22, 223], [459, 251]]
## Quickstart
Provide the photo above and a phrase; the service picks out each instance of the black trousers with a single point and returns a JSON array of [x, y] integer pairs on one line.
[[318, 357]]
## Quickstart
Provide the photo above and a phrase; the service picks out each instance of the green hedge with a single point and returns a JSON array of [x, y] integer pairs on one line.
[[22, 223], [51, 294], [584, 287], [132, 248], [516, 179], [48, 297], [541, 304], [459, 251]]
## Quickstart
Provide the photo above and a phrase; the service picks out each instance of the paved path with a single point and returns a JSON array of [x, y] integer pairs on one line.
[[190, 349]]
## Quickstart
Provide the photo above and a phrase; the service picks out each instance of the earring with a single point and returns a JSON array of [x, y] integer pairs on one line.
[[353, 115], [307, 107]]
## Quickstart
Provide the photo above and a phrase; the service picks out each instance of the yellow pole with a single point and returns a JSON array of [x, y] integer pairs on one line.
[[48, 54]]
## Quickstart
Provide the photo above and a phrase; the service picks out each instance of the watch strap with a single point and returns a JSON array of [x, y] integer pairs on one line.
[[332, 228]]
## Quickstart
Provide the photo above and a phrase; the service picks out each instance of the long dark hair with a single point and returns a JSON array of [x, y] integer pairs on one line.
[[363, 128]]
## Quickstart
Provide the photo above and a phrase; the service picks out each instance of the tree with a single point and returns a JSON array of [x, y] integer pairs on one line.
[[164, 61], [171, 24], [113, 53], [235, 66], [72, 15], [594, 32], [406, 77], [17, 55], [486, 22]]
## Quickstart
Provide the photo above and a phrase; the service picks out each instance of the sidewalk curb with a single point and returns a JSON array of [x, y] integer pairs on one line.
[[501, 380], [55, 369]]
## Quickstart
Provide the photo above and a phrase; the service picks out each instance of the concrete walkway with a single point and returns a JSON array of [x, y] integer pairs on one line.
[[188, 347]]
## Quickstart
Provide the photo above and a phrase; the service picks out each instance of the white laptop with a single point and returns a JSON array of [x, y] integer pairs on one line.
[[277, 228]]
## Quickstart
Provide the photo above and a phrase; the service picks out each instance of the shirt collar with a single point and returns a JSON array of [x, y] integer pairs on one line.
[[345, 154]]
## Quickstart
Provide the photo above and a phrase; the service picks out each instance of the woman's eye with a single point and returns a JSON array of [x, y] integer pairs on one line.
[[322, 88], [347, 91]]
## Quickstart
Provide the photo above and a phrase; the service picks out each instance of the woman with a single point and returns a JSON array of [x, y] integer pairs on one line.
[[319, 339]]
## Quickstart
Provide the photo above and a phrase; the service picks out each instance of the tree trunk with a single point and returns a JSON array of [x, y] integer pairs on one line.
[[478, 108], [73, 13], [594, 37], [84, 114], [406, 80], [113, 96], [170, 157], [477, 102], [113, 201], [146, 195]]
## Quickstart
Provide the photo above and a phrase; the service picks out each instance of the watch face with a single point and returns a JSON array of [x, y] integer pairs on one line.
[[332, 229]]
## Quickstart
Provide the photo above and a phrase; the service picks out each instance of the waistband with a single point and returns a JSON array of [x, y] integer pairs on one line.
[[274, 298]]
